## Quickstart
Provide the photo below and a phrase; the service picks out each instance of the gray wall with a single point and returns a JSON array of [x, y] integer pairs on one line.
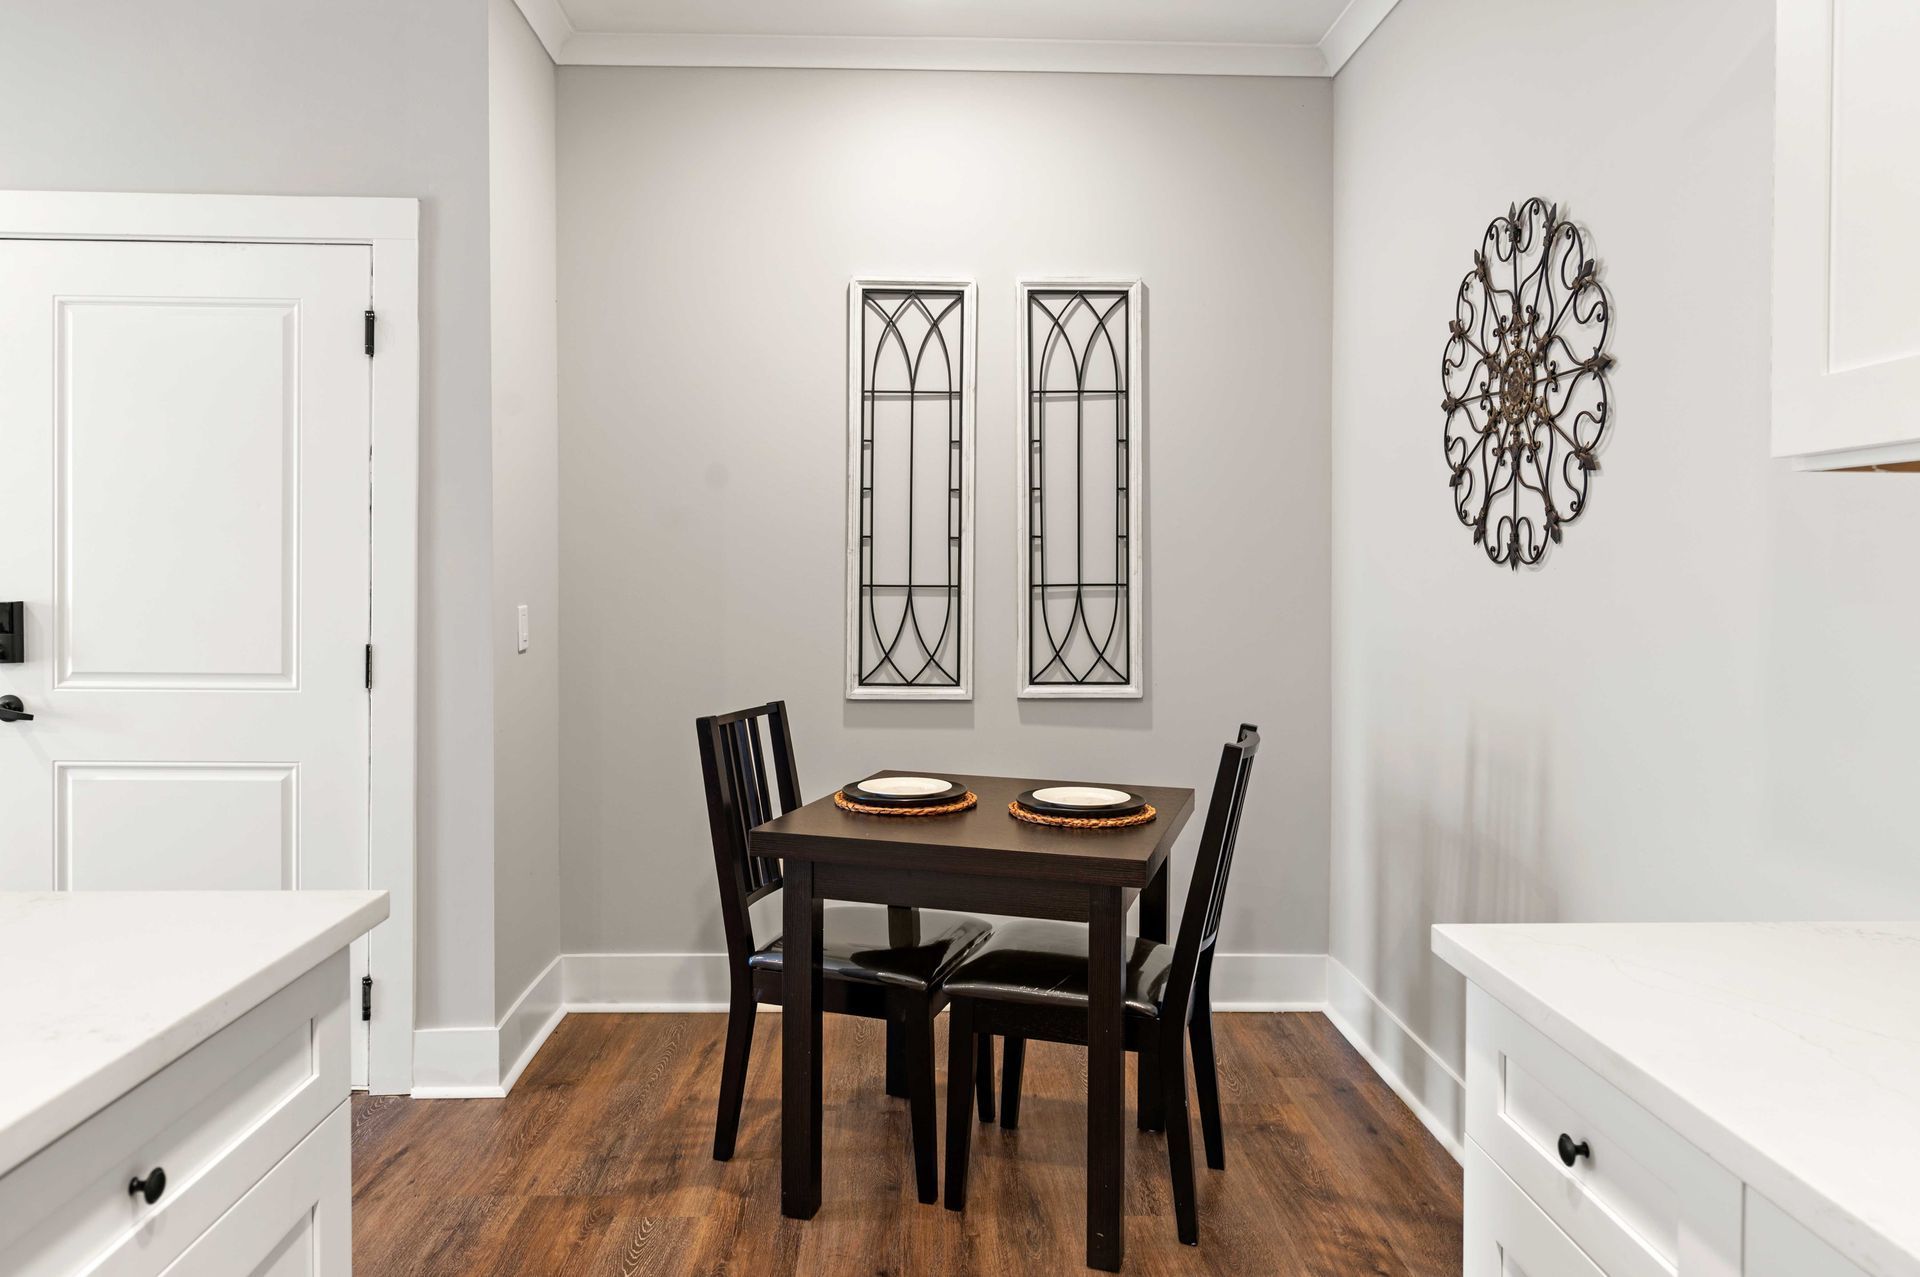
[[526, 464], [709, 224], [325, 97], [1703, 705]]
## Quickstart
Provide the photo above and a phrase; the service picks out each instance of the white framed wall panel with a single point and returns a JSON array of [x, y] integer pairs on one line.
[[910, 465], [1079, 472], [1846, 336]]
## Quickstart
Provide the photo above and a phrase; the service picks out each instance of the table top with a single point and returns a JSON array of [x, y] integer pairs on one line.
[[983, 840], [105, 988]]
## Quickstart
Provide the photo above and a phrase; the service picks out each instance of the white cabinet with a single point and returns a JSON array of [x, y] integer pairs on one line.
[[246, 1136], [1846, 255]]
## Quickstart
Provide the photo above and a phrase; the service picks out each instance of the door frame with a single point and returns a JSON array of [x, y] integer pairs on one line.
[[390, 228]]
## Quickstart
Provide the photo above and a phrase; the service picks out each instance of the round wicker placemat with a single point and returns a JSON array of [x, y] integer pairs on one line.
[[1140, 817], [962, 803]]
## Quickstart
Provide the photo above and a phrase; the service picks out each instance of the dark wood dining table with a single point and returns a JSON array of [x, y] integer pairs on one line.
[[981, 861]]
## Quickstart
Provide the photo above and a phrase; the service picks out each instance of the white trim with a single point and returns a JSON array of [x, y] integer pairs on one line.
[[483, 1063], [940, 53], [682, 982], [1269, 982], [969, 360], [1360, 19], [1424, 1082], [1136, 686], [390, 227], [569, 46], [550, 23], [1869, 458]]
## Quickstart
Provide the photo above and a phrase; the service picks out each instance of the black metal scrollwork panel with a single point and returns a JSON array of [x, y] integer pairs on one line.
[[1524, 379], [1081, 557], [909, 478]]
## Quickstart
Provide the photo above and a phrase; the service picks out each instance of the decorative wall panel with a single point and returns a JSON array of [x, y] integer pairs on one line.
[[910, 490], [1081, 573]]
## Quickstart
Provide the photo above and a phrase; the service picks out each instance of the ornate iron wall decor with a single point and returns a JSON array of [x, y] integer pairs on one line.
[[1081, 560], [910, 490], [1525, 383]]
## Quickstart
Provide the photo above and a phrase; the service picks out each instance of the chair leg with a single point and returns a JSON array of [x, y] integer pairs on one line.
[[1149, 1108], [1013, 1058], [1206, 1078], [960, 1058], [920, 1102], [896, 1058], [983, 1074], [733, 1074], [1173, 1085]]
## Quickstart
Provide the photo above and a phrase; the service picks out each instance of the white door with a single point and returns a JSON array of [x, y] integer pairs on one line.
[[184, 513]]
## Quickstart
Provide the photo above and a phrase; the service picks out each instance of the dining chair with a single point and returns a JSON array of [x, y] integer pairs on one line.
[[879, 963], [1029, 980]]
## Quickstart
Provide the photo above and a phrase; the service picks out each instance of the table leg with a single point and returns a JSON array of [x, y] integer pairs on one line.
[[1149, 1099], [1106, 1079], [1153, 903], [800, 1042]]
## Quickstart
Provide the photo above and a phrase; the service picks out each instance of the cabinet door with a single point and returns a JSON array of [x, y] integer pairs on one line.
[[1846, 258], [294, 1223], [1507, 1235]]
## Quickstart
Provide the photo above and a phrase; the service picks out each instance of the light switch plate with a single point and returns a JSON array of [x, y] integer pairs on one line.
[[521, 612]]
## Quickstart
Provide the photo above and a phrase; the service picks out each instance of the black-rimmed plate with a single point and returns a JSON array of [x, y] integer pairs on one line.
[[1082, 800], [904, 791]]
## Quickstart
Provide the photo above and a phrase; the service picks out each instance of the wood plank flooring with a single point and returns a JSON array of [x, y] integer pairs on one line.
[[600, 1162]]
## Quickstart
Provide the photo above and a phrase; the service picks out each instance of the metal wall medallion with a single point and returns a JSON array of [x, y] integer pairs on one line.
[[1081, 562], [1525, 383], [910, 490]]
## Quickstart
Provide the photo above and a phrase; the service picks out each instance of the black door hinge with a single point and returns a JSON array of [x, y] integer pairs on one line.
[[366, 997], [369, 668], [369, 332]]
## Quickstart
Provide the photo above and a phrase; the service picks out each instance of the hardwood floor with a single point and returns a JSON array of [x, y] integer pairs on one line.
[[600, 1162]]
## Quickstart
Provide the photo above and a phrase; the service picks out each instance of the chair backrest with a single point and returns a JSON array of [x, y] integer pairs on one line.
[[1207, 893], [734, 751]]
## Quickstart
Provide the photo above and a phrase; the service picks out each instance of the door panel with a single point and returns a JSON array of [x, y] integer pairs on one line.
[[176, 827], [129, 376], [186, 519]]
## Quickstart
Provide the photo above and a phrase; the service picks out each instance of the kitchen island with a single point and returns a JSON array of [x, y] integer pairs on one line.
[[174, 1081]]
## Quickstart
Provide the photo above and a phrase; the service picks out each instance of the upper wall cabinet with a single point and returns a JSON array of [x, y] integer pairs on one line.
[[1846, 233]]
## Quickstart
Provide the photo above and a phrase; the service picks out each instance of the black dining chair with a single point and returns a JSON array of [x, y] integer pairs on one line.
[[879, 963], [1029, 980]]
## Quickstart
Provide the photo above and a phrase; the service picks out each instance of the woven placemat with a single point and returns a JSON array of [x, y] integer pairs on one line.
[[1140, 817], [961, 803]]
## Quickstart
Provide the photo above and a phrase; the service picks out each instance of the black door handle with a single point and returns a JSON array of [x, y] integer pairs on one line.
[[1571, 1152], [12, 711]]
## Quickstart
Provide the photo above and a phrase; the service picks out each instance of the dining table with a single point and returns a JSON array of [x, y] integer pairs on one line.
[[980, 860]]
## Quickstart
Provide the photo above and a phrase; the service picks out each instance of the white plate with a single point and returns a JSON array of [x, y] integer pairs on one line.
[[906, 786], [1082, 796]]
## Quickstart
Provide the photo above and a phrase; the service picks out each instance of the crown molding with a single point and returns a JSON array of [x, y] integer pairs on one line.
[[1360, 19], [551, 23], [569, 46]]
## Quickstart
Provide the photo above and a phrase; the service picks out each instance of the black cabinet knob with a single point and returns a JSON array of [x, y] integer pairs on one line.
[[151, 1187], [1571, 1152]]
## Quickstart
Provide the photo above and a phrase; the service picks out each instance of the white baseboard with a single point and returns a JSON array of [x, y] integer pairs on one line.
[[485, 1062], [481, 1063], [645, 981], [1269, 981], [1421, 1079]]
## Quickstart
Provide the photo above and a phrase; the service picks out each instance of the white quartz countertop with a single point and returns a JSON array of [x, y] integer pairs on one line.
[[1788, 1052], [101, 989]]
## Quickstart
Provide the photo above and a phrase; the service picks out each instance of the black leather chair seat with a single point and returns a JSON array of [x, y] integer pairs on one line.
[[1045, 963], [856, 945]]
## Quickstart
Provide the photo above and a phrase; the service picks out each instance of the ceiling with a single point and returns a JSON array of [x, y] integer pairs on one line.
[[1203, 37]]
